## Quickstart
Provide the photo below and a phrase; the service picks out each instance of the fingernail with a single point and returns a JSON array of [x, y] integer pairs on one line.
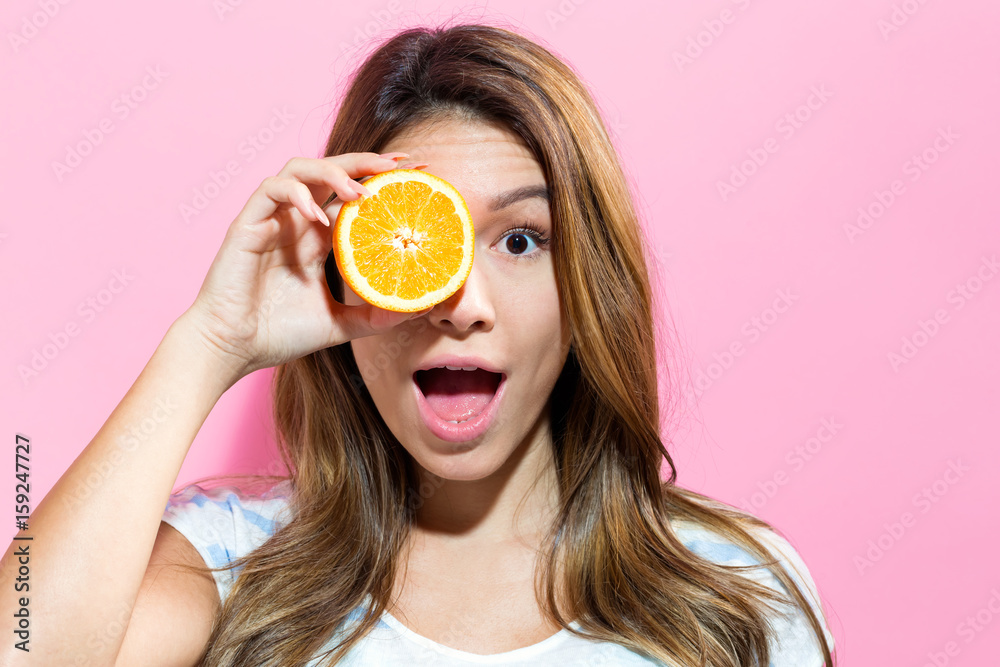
[[360, 189], [394, 156], [415, 165], [321, 214]]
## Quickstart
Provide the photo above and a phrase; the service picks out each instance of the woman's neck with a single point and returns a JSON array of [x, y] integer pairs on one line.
[[519, 501]]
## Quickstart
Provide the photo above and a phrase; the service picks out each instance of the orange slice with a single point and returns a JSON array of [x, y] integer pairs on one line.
[[409, 245]]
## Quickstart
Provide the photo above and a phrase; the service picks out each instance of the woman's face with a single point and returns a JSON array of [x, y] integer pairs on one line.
[[506, 317]]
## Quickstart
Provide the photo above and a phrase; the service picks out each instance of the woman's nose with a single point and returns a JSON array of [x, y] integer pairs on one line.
[[471, 307]]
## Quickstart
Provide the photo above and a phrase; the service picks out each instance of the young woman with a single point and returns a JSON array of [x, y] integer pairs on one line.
[[536, 530]]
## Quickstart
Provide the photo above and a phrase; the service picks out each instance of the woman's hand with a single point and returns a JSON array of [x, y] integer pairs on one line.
[[265, 300]]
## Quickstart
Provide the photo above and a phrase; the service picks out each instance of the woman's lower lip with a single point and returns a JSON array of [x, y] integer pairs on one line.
[[465, 431]]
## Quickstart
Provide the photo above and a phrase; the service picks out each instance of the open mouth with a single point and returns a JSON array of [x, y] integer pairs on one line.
[[457, 395]]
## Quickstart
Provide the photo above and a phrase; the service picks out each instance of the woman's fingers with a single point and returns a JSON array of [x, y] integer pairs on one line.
[[273, 193], [290, 191], [336, 172], [366, 320], [337, 176], [305, 182]]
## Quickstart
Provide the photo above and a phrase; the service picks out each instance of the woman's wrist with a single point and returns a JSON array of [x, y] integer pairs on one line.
[[219, 369]]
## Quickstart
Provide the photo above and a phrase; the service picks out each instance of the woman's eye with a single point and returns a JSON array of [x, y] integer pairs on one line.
[[519, 241]]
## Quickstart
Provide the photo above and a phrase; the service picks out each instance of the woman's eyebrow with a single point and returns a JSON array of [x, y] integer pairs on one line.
[[513, 196]]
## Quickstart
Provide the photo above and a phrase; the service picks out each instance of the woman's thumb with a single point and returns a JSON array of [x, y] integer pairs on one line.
[[366, 319]]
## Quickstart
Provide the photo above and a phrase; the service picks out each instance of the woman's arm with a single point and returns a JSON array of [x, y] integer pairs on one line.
[[94, 531]]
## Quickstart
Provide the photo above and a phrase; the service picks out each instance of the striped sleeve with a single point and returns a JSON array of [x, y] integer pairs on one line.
[[793, 643], [223, 523]]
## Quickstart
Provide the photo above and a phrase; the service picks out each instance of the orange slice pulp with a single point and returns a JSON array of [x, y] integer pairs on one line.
[[407, 247]]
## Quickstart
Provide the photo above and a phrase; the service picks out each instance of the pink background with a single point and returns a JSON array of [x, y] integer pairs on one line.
[[753, 427]]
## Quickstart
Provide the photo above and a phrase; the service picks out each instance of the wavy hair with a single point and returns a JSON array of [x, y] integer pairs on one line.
[[627, 577]]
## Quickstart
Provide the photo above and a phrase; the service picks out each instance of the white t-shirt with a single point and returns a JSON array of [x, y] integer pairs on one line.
[[223, 523]]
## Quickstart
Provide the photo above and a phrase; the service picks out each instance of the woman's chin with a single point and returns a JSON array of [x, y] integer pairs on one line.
[[465, 463]]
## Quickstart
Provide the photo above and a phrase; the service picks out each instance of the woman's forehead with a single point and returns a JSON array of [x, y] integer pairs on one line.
[[464, 142], [483, 160]]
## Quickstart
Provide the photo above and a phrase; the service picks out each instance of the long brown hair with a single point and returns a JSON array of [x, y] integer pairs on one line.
[[627, 577]]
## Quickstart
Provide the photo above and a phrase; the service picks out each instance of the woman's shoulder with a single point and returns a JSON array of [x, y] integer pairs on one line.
[[795, 642], [226, 522], [712, 544]]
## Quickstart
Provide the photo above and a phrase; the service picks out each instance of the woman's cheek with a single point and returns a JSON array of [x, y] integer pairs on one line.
[[384, 357]]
